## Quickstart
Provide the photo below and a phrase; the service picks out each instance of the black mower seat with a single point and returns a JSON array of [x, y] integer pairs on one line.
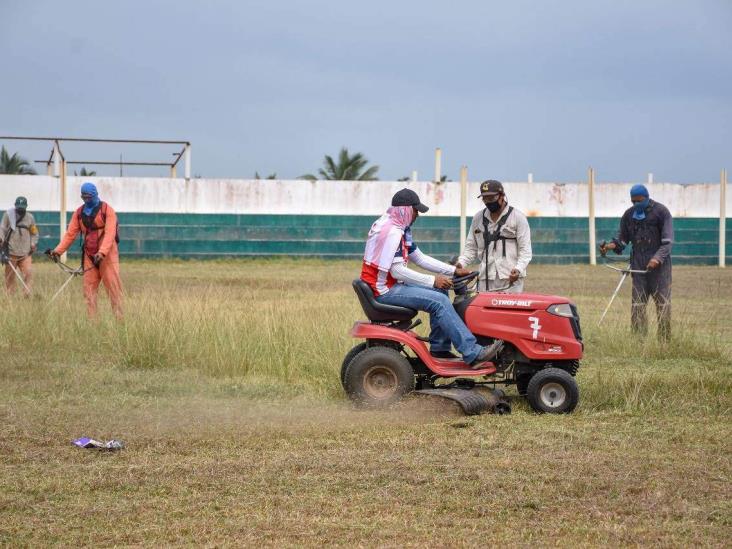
[[378, 312]]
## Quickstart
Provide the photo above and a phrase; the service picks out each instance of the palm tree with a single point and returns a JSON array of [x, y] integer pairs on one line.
[[348, 168], [83, 172], [15, 164], [270, 176]]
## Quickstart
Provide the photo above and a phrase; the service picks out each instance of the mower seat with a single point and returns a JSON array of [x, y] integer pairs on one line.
[[379, 312]]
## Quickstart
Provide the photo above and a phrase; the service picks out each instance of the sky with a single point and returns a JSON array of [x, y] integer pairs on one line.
[[506, 88]]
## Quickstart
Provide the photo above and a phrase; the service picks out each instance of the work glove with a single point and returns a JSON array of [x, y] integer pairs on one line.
[[97, 259]]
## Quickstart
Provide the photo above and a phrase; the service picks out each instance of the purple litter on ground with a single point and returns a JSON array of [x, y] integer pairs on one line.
[[86, 442]]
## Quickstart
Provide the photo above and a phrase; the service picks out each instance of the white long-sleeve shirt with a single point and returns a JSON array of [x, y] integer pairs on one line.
[[402, 273], [496, 266]]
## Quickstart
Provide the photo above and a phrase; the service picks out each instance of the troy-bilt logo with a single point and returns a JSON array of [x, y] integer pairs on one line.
[[511, 302], [535, 326]]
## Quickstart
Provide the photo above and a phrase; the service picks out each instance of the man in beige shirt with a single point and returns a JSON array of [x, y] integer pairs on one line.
[[18, 242], [500, 240]]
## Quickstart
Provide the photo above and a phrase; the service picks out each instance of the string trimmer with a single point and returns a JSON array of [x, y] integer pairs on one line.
[[66, 269], [625, 272], [5, 260]]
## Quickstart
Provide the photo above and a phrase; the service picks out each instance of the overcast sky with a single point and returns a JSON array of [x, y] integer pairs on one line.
[[506, 88]]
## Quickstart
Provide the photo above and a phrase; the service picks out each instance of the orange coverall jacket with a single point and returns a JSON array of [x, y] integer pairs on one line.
[[108, 270]]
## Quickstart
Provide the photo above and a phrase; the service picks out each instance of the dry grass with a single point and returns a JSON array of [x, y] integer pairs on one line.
[[223, 382]]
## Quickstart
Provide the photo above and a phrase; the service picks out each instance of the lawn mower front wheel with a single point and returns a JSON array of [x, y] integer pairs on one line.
[[552, 391]]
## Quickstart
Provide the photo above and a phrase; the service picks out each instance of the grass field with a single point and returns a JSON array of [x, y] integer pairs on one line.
[[223, 382]]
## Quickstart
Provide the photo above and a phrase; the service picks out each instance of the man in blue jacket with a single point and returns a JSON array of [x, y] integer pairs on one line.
[[648, 226]]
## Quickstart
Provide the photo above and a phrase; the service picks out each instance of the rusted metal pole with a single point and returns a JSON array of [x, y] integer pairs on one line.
[[142, 141], [109, 163]]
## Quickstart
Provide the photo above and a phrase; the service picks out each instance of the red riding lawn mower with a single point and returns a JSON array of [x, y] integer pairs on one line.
[[543, 347]]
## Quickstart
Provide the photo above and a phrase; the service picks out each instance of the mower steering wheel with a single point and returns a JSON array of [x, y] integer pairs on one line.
[[460, 281]]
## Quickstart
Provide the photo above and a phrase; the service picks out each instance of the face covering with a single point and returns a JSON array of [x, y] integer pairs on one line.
[[19, 212], [493, 207], [92, 200], [639, 209]]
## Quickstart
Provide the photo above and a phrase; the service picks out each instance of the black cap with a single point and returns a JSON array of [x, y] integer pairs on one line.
[[407, 197], [491, 186]]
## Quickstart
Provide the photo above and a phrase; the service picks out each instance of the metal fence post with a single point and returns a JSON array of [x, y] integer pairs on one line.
[[62, 208], [722, 218], [438, 164], [591, 189], [463, 205], [188, 161]]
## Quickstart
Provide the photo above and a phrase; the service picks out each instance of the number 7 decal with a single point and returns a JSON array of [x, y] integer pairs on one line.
[[534, 324]]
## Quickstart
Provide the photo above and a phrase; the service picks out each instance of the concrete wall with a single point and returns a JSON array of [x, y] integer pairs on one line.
[[206, 218], [239, 196]]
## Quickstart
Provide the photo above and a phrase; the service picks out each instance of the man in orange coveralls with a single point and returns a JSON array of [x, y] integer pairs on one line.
[[97, 222]]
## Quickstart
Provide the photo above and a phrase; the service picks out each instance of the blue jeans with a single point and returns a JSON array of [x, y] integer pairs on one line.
[[446, 327]]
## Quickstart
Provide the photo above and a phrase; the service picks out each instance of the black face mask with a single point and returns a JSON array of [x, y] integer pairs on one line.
[[19, 212], [493, 207]]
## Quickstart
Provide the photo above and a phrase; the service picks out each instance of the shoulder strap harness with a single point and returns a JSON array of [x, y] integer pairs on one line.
[[495, 236]]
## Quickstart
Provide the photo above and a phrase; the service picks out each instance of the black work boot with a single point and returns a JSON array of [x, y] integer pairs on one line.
[[444, 355]]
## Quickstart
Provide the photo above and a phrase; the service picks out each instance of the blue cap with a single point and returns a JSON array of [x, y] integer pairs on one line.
[[639, 190]]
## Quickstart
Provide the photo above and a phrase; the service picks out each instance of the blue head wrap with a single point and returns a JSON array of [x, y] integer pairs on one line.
[[639, 208], [93, 202]]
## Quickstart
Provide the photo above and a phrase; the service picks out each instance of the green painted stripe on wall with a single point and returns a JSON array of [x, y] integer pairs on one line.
[[554, 239]]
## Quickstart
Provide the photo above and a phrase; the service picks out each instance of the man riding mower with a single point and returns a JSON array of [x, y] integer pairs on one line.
[[530, 340]]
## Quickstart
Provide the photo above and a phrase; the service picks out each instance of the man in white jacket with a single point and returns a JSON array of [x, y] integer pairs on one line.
[[500, 239]]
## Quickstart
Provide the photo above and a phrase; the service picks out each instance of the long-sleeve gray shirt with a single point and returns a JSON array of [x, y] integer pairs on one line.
[[651, 237], [21, 234]]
